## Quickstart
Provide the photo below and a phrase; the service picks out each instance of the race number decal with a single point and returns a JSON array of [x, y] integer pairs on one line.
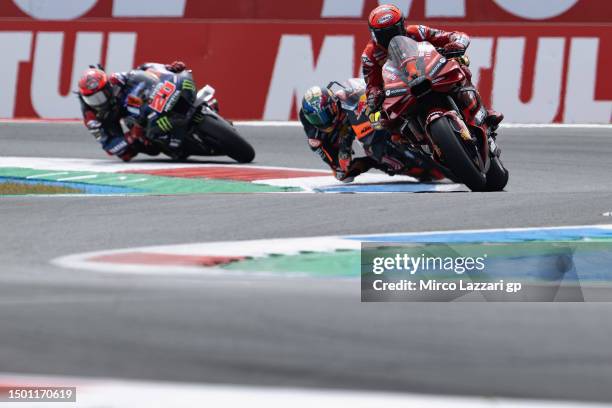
[[162, 96]]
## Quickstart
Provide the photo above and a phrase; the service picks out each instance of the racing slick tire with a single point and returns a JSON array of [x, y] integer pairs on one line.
[[224, 138], [455, 156]]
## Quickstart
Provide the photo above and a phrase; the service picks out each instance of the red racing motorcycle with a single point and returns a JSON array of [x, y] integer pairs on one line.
[[419, 85]]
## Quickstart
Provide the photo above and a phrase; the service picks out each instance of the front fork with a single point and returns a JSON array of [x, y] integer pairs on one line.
[[476, 139]]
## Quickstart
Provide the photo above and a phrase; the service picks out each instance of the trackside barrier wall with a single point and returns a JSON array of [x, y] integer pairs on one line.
[[555, 70]]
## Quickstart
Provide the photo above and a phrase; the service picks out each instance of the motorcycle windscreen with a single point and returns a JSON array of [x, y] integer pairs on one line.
[[404, 56], [349, 92]]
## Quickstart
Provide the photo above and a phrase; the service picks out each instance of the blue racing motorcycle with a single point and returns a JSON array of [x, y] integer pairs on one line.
[[183, 122]]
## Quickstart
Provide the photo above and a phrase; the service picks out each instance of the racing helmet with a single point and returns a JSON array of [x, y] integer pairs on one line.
[[320, 107], [386, 21], [95, 89]]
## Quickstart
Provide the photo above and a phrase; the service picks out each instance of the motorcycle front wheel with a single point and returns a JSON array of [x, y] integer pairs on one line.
[[497, 176], [455, 156]]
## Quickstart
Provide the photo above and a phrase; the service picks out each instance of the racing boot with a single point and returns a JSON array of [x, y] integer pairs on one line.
[[128, 155], [175, 142], [173, 146], [356, 167], [176, 146], [469, 101]]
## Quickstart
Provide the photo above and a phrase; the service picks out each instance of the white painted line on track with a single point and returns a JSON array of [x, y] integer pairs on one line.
[[140, 180], [311, 184], [115, 393], [89, 176], [59, 173]]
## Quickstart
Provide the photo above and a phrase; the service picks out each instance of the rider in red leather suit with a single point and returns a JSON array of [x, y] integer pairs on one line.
[[386, 22]]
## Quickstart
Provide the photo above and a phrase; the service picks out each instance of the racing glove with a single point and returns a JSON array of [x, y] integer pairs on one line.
[[454, 49], [176, 67], [136, 133], [95, 128]]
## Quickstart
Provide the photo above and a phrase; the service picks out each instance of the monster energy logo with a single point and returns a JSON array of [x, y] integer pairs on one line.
[[189, 85], [164, 124]]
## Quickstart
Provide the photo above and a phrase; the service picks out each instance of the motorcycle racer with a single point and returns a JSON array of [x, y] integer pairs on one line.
[[334, 116], [385, 22], [106, 99]]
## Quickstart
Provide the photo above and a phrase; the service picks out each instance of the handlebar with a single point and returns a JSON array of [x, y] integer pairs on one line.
[[454, 54]]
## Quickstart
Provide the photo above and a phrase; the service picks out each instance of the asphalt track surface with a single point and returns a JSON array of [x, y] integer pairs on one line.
[[298, 332]]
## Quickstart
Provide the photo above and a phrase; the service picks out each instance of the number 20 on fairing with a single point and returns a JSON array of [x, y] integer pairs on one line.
[[162, 96]]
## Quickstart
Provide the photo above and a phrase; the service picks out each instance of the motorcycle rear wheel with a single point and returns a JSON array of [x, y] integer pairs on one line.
[[455, 155], [225, 139]]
